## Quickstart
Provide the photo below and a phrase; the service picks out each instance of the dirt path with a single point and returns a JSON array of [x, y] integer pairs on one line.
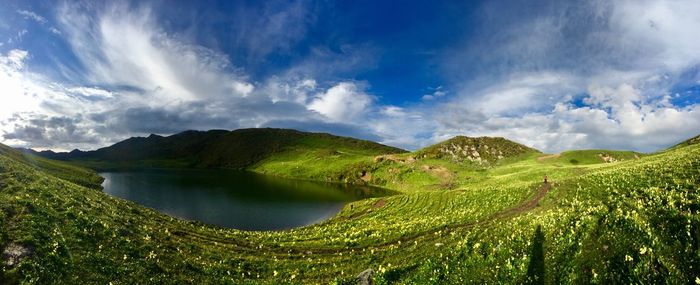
[[426, 235], [543, 158], [527, 205]]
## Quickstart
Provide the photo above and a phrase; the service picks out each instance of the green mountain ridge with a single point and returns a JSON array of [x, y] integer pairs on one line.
[[215, 149]]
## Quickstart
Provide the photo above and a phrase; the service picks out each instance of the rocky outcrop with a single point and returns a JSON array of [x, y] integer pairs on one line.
[[607, 158], [365, 277], [14, 253]]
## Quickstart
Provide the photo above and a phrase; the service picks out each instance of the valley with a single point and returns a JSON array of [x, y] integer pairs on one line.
[[468, 210]]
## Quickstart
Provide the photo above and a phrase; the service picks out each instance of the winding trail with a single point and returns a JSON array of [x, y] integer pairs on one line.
[[404, 241]]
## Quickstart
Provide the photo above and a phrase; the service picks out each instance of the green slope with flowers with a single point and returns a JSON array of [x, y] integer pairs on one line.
[[631, 220]]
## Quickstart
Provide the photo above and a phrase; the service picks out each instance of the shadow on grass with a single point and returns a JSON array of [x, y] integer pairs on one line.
[[535, 270]]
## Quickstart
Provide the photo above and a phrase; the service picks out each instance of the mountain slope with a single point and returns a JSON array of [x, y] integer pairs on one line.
[[62, 170], [218, 149], [690, 141]]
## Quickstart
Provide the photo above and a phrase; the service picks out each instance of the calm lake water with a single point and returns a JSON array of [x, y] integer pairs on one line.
[[235, 199]]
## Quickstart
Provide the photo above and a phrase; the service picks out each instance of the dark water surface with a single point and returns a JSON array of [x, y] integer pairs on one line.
[[235, 199]]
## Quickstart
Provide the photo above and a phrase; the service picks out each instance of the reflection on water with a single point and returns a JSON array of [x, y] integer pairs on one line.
[[235, 199]]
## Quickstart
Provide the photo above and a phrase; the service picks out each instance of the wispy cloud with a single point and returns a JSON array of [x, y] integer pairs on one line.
[[31, 15]]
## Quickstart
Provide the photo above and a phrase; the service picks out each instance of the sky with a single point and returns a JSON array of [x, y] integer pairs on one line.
[[554, 75]]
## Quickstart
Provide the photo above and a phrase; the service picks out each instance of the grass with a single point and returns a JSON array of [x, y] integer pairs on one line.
[[456, 222]]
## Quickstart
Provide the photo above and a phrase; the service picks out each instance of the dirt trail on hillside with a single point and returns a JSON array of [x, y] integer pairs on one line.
[[543, 158], [424, 236]]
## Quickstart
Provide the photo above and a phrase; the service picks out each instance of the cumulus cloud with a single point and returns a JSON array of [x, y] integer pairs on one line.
[[342, 102], [51, 131]]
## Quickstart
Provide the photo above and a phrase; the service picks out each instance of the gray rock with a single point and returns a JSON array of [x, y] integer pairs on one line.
[[14, 253], [365, 277]]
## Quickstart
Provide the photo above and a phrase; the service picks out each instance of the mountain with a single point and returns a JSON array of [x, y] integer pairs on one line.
[[217, 149], [481, 150]]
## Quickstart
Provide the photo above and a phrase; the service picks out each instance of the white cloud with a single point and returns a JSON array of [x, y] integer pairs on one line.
[[290, 89], [618, 118], [664, 33], [15, 58], [32, 15], [16, 96], [437, 93], [92, 92], [126, 47], [342, 102]]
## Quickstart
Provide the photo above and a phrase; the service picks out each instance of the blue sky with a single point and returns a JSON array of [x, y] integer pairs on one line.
[[554, 75]]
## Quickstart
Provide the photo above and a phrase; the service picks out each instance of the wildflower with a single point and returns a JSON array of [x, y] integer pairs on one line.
[[643, 250], [628, 258]]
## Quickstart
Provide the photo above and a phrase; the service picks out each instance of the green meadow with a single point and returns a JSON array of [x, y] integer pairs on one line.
[[459, 218]]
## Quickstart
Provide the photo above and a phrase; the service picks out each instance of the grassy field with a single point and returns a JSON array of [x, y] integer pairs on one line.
[[632, 219]]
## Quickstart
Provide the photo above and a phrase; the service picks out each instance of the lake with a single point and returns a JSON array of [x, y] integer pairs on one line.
[[235, 199]]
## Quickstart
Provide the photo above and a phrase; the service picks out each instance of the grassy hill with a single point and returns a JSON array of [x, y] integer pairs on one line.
[[220, 149], [62, 170], [481, 150], [592, 156], [628, 221]]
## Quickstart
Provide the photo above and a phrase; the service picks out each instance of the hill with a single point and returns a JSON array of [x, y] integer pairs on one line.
[[480, 150], [62, 170], [217, 149], [591, 156]]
